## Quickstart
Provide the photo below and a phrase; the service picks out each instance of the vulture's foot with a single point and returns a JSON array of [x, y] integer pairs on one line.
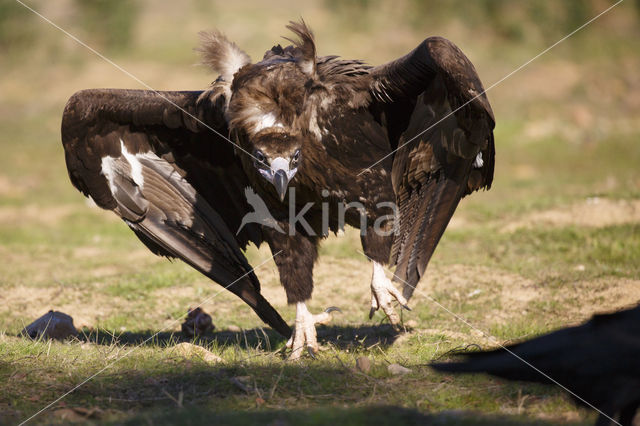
[[383, 293], [304, 333]]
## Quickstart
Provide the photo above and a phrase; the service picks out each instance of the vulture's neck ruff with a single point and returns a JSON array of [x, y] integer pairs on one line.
[[273, 106]]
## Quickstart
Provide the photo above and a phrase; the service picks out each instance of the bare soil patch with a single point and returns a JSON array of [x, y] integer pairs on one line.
[[603, 295], [593, 212], [488, 296], [51, 215]]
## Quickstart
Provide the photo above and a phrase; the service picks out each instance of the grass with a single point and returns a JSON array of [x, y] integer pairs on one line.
[[325, 388], [555, 240]]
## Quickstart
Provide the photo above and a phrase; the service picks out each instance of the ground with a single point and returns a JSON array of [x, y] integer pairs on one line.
[[555, 240]]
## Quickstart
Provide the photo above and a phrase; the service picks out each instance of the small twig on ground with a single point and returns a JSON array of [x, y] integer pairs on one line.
[[179, 400], [266, 339], [384, 355], [521, 400], [275, 384], [256, 389], [373, 393]]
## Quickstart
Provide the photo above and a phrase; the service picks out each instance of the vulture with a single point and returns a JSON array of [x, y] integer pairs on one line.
[[297, 145], [599, 361]]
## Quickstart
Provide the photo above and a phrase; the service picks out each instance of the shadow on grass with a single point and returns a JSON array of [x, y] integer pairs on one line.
[[343, 337], [173, 390], [202, 395], [162, 390], [366, 416]]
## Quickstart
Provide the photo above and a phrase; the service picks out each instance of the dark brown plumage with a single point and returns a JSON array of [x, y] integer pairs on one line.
[[189, 198], [324, 128], [197, 323], [598, 361]]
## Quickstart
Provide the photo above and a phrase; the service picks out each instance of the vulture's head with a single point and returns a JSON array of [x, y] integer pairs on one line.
[[276, 156], [271, 107]]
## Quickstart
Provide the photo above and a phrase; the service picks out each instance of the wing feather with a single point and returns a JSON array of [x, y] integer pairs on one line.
[[450, 124], [173, 181]]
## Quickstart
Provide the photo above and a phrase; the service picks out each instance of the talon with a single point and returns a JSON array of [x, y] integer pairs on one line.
[[325, 317], [304, 334], [311, 352], [383, 293]]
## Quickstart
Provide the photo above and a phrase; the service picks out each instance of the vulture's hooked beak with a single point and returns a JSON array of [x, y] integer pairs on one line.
[[280, 181], [281, 175]]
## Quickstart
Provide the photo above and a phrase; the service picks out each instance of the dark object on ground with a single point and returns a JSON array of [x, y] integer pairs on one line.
[[52, 325], [599, 361], [415, 134], [197, 323]]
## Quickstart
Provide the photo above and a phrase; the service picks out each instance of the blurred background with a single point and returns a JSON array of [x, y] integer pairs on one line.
[[568, 125], [567, 135], [582, 98], [556, 238]]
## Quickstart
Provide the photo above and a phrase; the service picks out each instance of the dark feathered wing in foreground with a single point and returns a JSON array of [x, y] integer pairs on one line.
[[416, 133], [598, 361], [175, 182]]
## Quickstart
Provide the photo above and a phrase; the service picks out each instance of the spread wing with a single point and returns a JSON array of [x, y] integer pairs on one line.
[[175, 181], [440, 122]]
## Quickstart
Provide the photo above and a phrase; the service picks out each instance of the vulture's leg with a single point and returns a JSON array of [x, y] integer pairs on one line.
[[383, 293], [304, 332], [294, 256]]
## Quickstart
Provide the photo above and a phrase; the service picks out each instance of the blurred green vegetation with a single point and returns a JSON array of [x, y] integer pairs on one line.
[[110, 23], [517, 261], [513, 21], [16, 25], [107, 24]]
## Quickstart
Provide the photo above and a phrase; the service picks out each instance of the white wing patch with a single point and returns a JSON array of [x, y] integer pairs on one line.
[[136, 167], [109, 166], [478, 162], [112, 167]]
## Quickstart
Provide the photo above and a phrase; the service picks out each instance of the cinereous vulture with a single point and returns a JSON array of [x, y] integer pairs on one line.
[[302, 144]]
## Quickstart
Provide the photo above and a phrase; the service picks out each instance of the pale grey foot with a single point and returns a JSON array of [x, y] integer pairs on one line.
[[304, 333], [383, 293]]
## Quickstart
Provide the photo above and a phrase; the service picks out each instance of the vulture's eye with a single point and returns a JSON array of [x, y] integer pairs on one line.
[[295, 158], [261, 160]]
